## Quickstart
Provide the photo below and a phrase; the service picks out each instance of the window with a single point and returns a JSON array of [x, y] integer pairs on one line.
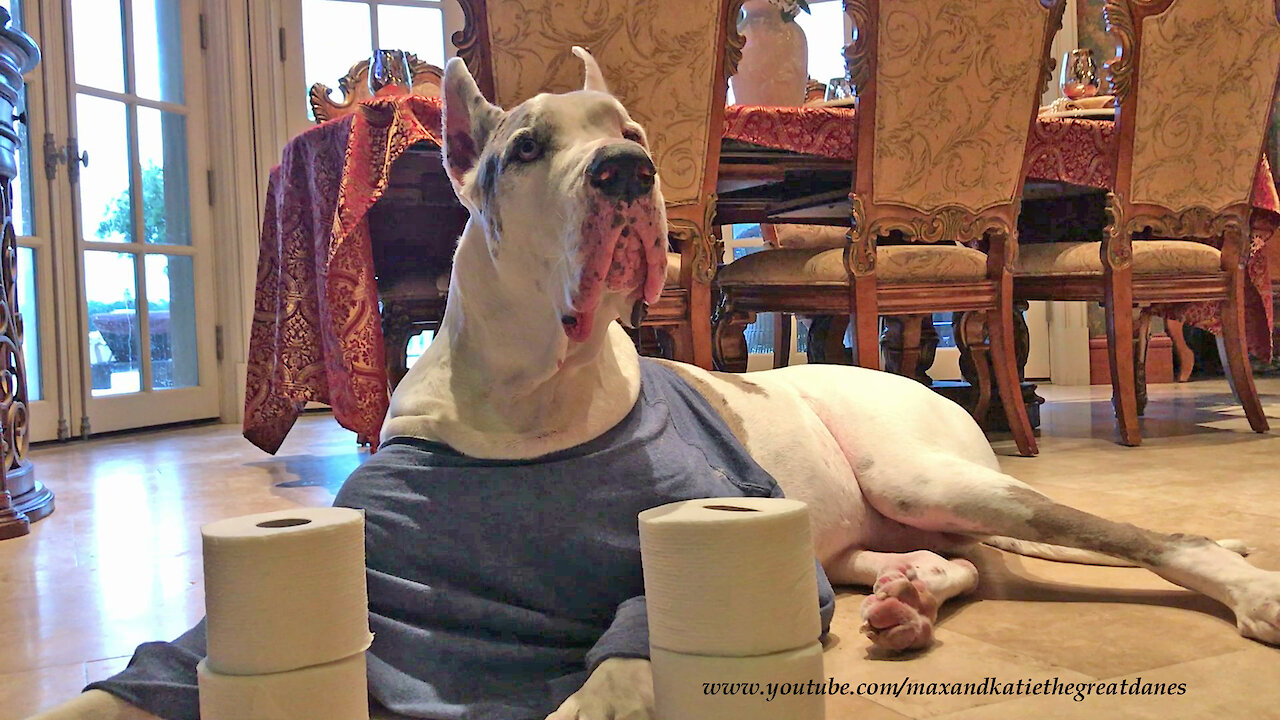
[[337, 34]]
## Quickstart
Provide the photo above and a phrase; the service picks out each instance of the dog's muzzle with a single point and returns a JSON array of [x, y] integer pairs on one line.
[[622, 171]]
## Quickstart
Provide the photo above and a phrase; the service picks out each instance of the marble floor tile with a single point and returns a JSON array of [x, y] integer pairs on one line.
[[118, 563]]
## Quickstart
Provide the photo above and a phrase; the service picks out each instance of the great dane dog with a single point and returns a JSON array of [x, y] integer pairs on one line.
[[567, 235]]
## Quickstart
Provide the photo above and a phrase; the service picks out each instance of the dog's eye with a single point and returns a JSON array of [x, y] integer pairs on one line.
[[633, 135], [528, 149]]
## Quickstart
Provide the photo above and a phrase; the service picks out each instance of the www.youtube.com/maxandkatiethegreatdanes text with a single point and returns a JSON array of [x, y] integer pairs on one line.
[[1077, 691]]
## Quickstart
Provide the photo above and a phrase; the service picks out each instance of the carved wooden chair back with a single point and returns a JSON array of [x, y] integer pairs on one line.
[[947, 95], [354, 85], [1194, 84], [668, 65]]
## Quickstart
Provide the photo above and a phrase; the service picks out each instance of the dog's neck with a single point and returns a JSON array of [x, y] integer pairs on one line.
[[501, 380]]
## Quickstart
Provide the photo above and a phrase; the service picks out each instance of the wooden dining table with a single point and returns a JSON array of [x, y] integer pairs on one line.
[[316, 332]]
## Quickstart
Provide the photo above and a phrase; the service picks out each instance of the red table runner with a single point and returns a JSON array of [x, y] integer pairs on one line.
[[316, 333]]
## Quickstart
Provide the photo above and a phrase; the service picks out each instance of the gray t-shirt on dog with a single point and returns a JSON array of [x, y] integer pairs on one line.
[[495, 587]]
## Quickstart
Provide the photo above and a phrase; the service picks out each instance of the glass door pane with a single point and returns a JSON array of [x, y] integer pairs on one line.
[[98, 43], [162, 151], [106, 186], [419, 30], [115, 341], [171, 297]]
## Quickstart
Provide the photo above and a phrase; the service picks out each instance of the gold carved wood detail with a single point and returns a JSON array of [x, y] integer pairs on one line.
[[704, 241], [1049, 63], [947, 224], [355, 87], [954, 95], [1120, 68], [856, 55], [1117, 242], [860, 253], [734, 40]]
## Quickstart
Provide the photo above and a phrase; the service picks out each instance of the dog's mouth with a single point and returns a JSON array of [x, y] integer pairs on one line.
[[621, 250]]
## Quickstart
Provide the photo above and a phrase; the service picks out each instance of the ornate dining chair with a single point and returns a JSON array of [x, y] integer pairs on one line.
[[947, 95], [669, 65], [425, 79], [1194, 83], [412, 275]]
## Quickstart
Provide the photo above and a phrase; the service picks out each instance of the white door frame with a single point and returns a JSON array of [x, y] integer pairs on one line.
[[109, 413]]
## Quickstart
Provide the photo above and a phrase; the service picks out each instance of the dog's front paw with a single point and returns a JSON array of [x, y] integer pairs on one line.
[[618, 689]]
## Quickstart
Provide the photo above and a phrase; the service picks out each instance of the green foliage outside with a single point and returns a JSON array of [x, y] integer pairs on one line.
[[118, 220]]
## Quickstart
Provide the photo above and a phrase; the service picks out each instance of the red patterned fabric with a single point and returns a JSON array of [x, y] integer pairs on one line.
[[316, 333], [1072, 150], [822, 131]]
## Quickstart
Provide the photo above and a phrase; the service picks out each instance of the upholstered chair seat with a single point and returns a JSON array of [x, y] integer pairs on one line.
[[673, 270], [1150, 257], [806, 236], [427, 286], [903, 264]]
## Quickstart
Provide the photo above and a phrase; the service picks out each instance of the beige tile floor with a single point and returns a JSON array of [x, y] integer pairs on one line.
[[119, 564]]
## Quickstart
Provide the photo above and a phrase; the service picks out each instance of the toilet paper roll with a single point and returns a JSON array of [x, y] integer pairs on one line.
[[285, 590], [729, 576], [765, 687], [333, 691]]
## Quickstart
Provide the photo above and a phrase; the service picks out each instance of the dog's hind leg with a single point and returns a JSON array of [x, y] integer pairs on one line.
[[940, 493], [907, 590]]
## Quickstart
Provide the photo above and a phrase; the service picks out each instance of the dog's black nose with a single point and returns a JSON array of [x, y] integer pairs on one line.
[[622, 171]]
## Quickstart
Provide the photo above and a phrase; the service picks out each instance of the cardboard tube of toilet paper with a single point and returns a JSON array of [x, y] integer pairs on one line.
[[333, 691], [729, 576], [285, 590], [764, 687]]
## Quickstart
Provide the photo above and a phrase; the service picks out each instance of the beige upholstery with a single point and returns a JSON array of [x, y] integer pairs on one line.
[[952, 114], [894, 264], [658, 61], [1208, 71], [1150, 257], [807, 237], [673, 270]]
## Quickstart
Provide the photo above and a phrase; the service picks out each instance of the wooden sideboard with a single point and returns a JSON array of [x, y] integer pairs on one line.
[[23, 499]]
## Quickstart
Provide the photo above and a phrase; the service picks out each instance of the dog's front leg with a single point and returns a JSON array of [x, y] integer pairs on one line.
[[95, 705], [618, 689]]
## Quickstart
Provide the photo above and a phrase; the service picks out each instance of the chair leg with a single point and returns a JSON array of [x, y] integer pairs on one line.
[[901, 344], [1181, 350], [864, 317], [1235, 357], [781, 339], [971, 340], [683, 343], [1141, 342], [1119, 312], [700, 325], [1005, 364], [728, 336]]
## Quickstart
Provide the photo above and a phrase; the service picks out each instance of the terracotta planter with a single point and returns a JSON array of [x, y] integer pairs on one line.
[[775, 61]]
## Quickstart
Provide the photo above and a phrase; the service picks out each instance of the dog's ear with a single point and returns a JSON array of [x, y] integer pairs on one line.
[[594, 79], [468, 120]]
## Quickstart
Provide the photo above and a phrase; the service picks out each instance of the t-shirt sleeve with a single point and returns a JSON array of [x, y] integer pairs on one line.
[[161, 677], [627, 636], [826, 599]]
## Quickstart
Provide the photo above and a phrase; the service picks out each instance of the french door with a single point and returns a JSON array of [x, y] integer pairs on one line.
[[121, 276]]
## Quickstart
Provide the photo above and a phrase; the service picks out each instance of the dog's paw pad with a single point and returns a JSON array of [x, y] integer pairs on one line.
[[900, 613]]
